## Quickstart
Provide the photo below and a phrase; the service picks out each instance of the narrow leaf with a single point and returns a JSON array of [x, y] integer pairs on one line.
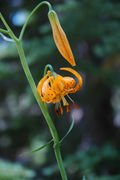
[[71, 126], [38, 149], [6, 38]]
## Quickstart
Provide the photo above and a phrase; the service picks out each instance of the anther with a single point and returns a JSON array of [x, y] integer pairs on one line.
[[61, 109], [57, 112], [68, 108], [75, 105]]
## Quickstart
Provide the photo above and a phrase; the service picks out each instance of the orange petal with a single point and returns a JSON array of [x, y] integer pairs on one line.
[[46, 89], [41, 82], [57, 84], [78, 86], [60, 38]]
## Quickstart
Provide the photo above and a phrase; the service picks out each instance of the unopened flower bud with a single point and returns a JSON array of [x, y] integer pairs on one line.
[[60, 38]]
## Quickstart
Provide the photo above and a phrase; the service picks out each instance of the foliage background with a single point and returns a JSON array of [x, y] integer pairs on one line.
[[92, 148]]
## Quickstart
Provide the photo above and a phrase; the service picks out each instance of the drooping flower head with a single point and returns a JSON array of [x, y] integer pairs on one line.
[[53, 88], [60, 38]]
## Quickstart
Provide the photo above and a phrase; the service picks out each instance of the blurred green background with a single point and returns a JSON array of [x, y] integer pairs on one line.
[[93, 146]]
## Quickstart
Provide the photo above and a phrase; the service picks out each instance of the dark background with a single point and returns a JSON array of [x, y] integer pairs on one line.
[[92, 148]]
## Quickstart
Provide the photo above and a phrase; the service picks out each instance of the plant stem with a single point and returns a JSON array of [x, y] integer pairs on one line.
[[8, 28], [4, 31], [60, 161], [46, 69], [43, 109], [31, 14]]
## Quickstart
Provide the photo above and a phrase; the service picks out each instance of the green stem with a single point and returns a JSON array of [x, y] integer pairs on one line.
[[33, 86], [43, 109], [4, 31], [48, 66], [31, 14], [8, 28]]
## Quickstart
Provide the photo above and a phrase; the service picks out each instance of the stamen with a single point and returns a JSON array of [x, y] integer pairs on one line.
[[75, 105], [61, 109], [57, 112], [68, 108], [65, 103], [70, 98]]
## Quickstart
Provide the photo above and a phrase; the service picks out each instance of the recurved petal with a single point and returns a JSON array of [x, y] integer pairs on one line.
[[41, 82], [79, 84], [60, 38], [46, 87]]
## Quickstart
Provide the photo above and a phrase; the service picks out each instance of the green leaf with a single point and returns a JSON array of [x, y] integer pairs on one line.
[[38, 149], [71, 126]]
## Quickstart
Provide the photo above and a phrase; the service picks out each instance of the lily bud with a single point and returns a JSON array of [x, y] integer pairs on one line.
[[60, 38]]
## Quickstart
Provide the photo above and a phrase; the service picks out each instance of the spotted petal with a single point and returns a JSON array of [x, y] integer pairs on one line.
[[79, 84]]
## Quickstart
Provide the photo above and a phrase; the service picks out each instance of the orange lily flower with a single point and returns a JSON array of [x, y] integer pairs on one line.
[[60, 38], [53, 88]]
